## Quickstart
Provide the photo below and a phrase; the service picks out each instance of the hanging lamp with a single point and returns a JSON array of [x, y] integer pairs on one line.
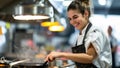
[[31, 11]]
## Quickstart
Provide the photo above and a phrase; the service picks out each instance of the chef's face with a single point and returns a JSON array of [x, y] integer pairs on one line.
[[76, 19]]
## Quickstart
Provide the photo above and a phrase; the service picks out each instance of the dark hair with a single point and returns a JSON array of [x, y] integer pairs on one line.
[[80, 5]]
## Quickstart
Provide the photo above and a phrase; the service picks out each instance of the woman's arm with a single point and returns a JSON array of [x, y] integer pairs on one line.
[[78, 57], [83, 57]]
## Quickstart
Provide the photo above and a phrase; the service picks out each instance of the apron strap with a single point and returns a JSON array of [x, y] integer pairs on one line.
[[89, 25]]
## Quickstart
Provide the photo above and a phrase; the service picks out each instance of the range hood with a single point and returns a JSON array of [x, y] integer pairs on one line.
[[31, 12]]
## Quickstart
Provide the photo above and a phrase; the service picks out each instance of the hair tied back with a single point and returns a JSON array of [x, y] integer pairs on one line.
[[83, 1]]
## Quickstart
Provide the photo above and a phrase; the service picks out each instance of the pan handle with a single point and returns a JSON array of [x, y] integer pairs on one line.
[[45, 63]]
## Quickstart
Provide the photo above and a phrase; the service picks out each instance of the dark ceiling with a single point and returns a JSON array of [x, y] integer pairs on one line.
[[112, 7], [6, 8]]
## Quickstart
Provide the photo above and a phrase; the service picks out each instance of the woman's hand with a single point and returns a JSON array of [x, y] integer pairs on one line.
[[50, 57]]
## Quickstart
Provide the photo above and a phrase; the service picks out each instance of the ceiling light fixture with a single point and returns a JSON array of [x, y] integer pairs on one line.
[[47, 24], [57, 28], [102, 2], [36, 11], [30, 17]]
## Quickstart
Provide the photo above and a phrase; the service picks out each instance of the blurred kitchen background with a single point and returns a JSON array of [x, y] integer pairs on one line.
[[51, 31]]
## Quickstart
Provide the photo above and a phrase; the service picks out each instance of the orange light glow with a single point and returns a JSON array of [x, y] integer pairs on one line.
[[47, 24], [58, 28], [1, 31]]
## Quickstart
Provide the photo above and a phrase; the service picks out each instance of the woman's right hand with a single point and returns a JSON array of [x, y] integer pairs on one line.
[[51, 57]]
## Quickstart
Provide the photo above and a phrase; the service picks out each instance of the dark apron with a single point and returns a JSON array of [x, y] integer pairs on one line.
[[81, 49]]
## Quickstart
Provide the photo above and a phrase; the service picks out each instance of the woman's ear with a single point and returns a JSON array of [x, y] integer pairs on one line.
[[86, 13]]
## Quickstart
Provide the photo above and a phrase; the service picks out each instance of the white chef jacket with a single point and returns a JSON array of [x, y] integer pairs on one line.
[[100, 43]]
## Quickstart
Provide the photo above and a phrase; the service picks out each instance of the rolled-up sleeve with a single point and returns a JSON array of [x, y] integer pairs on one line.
[[96, 38]]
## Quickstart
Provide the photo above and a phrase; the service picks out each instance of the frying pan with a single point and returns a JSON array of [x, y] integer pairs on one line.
[[32, 65], [24, 64]]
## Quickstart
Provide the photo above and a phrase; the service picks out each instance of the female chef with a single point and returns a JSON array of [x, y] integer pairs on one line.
[[92, 49]]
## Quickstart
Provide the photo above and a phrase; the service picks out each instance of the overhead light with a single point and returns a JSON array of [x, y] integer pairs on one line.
[[102, 2], [0, 30], [30, 17], [57, 28], [31, 12], [47, 24], [53, 26]]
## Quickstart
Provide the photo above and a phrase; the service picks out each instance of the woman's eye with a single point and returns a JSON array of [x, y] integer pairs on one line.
[[75, 17]]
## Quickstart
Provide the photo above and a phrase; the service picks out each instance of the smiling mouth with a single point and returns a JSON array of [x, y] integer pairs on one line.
[[76, 25]]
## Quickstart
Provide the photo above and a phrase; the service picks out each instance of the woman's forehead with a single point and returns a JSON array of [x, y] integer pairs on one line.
[[72, 12]]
